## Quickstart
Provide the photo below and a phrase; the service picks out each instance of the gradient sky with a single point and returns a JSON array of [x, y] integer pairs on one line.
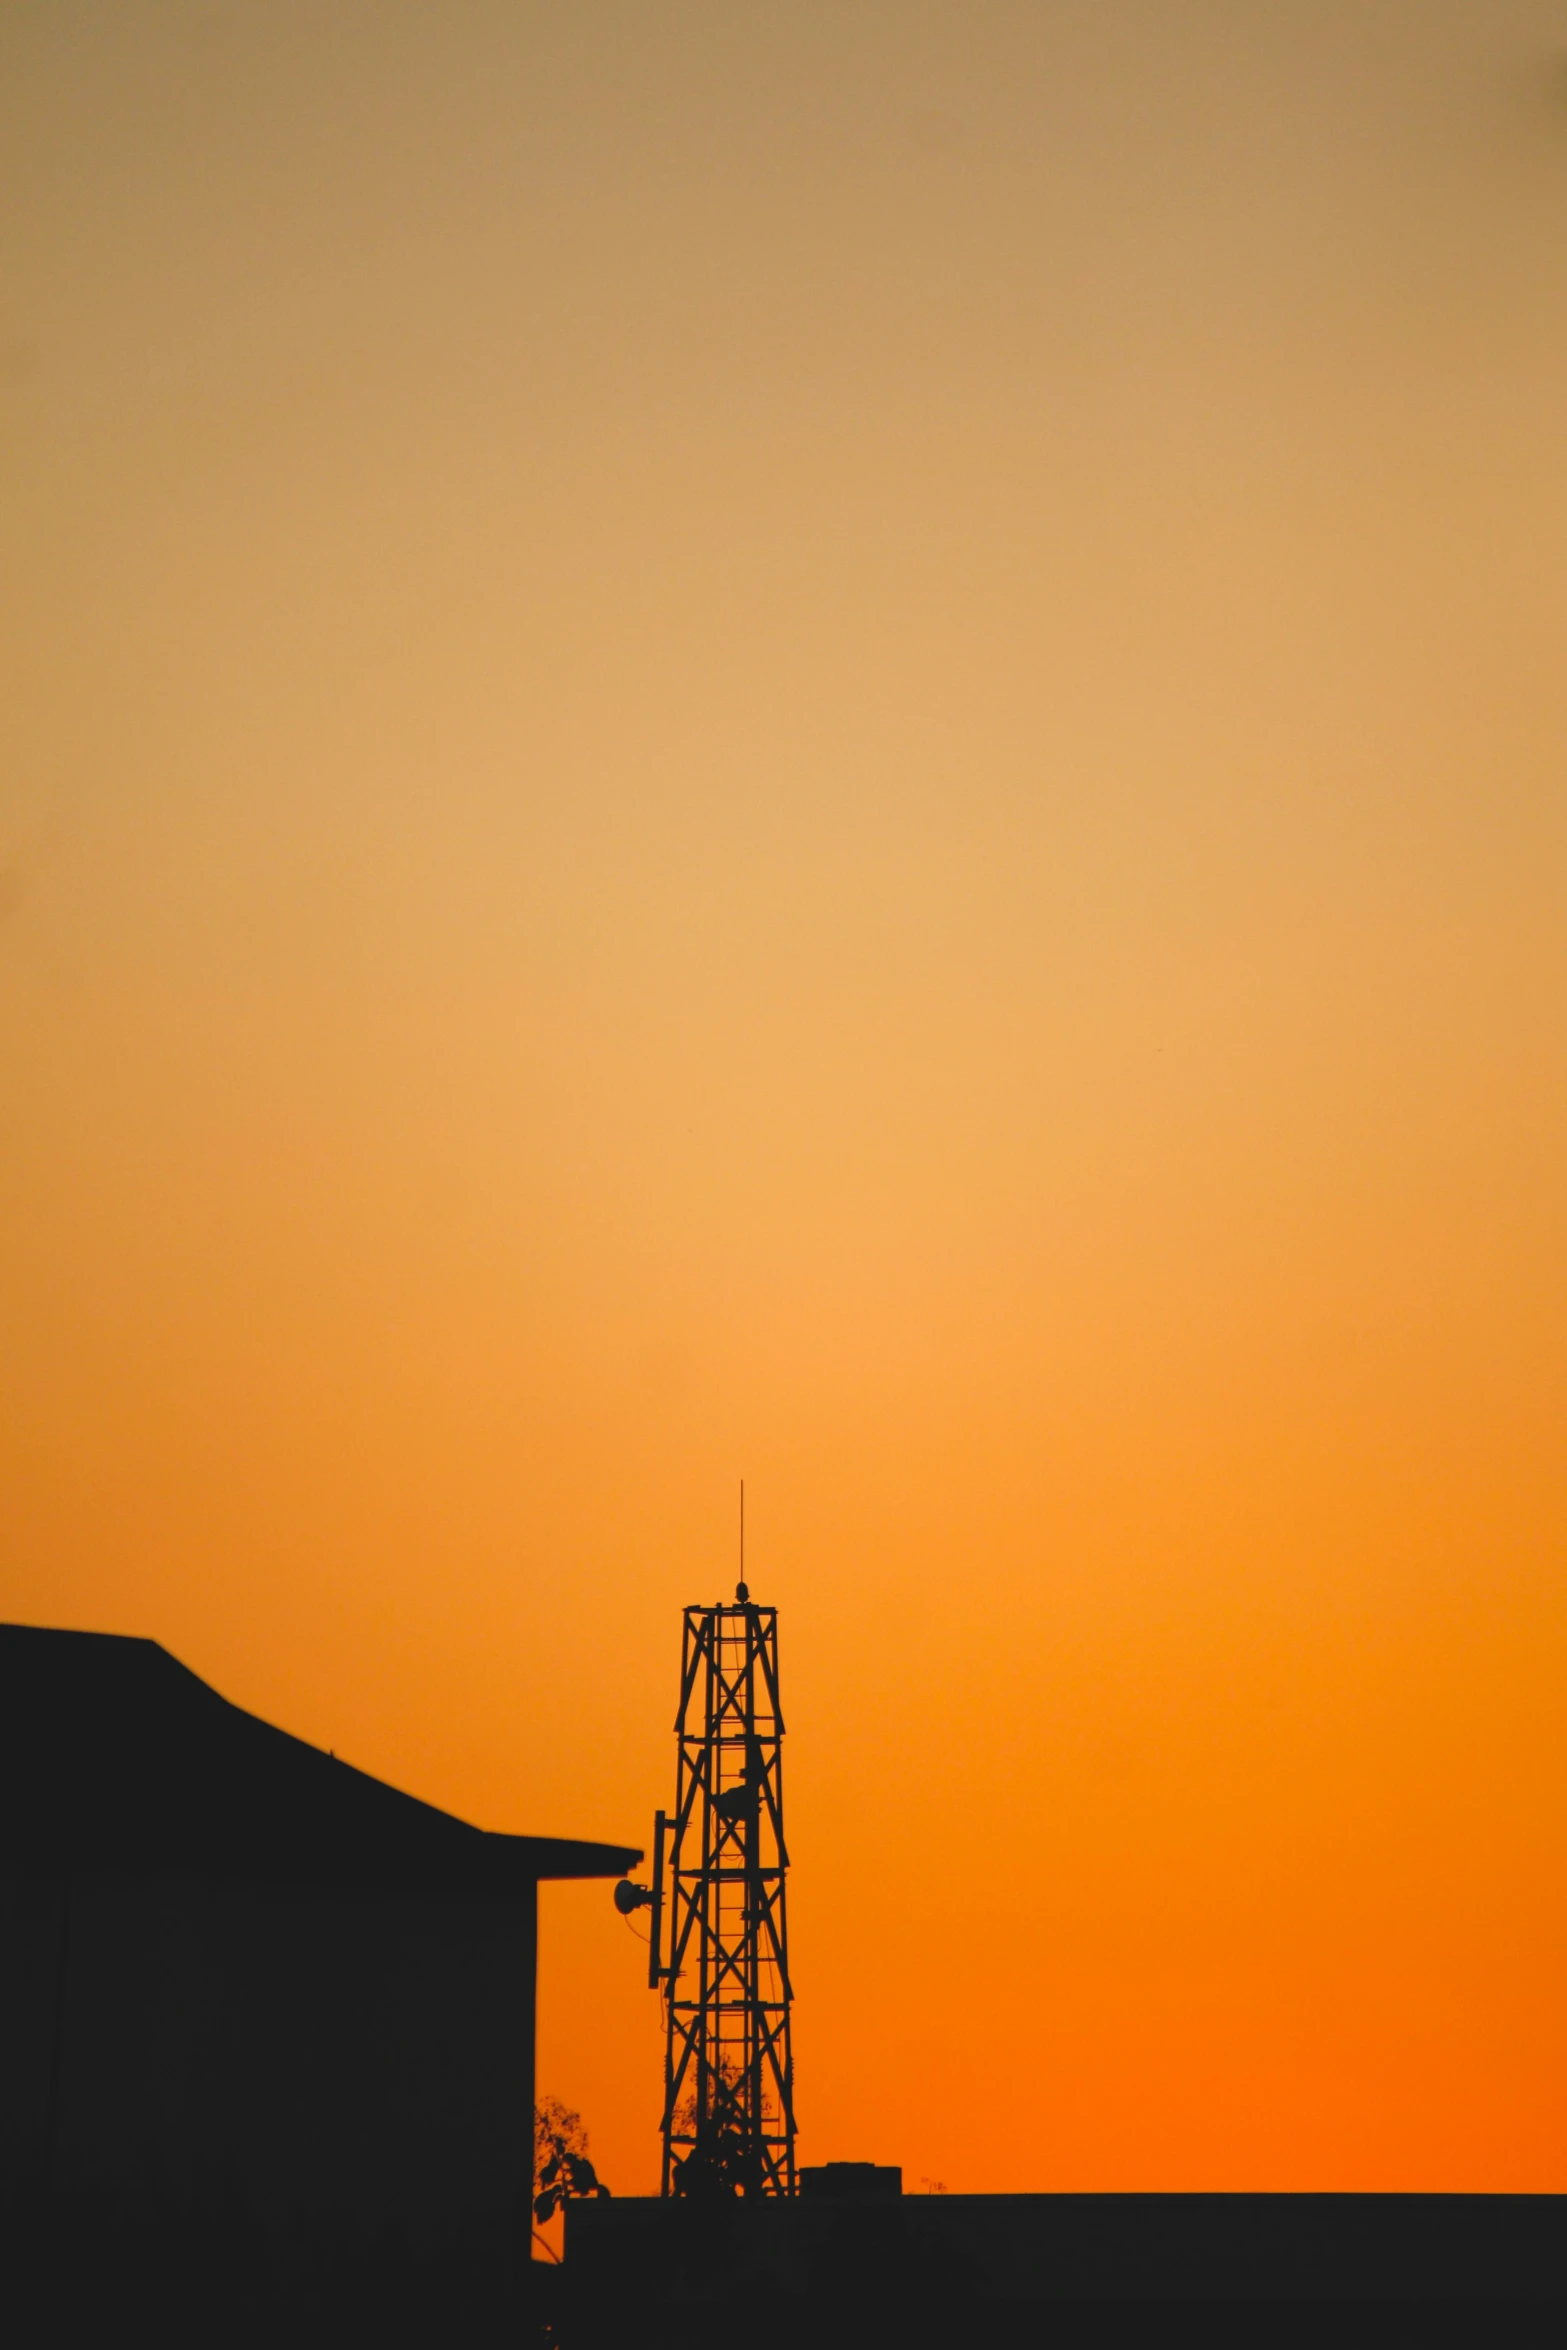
[[829, 742]]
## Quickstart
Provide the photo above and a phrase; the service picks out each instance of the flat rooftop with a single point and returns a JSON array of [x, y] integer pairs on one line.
[[929, 2253]]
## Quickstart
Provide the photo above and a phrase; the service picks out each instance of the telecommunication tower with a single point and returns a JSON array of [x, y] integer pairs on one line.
[[719, 1869]]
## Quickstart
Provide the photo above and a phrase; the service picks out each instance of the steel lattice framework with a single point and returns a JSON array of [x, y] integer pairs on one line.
[[728, 2066]]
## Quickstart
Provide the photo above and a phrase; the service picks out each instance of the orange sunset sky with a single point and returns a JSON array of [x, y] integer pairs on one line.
[[828, 742]]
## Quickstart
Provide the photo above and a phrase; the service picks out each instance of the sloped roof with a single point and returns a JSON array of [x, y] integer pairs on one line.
[[113, 1755]]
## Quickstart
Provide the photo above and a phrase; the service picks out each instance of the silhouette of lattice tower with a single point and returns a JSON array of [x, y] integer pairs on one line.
[[728, 2066]]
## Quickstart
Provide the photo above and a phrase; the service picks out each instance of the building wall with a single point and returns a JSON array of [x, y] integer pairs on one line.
[[311, 2098], [639, 2266]]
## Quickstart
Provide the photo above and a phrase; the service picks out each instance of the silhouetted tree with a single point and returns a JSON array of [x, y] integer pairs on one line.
[[723, 2160], [561, 2169]]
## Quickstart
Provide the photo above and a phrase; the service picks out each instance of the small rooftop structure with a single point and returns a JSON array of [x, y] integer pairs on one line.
[[266, 2023], [852, 2182]]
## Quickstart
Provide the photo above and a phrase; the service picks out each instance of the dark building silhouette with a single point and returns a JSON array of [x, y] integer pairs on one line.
[[266, 2024], [851, 2261]]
